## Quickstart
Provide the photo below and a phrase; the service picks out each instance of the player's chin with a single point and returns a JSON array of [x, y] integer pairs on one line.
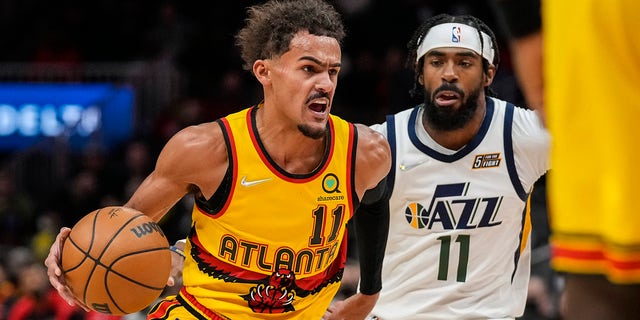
[[313, 131]]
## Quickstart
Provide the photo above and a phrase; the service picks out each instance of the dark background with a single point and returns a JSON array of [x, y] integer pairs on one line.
[[181, 60], [196, 38]]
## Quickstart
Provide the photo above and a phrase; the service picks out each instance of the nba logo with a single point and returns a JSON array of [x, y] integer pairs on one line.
[[456, 33]]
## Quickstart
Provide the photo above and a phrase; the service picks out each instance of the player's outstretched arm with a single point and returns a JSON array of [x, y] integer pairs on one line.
[[179, 170]]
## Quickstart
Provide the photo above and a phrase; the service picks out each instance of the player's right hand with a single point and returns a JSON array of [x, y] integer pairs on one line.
[[54, 269]]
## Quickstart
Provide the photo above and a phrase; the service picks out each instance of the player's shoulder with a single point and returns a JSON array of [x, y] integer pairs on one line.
[[367, 135], [198, 138], [526, 116], [372, 145], [405, 116], [521, 114], [397, 120], [527, 129], [373, 157], [500, 104]]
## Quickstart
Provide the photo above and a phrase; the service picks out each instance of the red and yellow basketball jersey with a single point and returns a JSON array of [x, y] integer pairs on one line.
[[276, 250], [592, 73]]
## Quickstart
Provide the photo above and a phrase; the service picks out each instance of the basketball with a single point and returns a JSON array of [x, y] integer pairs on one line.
[[116, 260]]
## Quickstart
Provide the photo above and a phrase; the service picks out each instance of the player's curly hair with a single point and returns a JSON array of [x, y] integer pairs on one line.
[[422, 31], [271, 26]]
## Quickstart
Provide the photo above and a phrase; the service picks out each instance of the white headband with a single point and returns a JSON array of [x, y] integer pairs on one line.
[[456, 35]]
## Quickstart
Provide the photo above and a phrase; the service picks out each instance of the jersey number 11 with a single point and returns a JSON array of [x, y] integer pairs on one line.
[[463, 260]]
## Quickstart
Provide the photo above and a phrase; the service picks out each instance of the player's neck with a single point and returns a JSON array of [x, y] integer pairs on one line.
[[298, 158], [289, 147]]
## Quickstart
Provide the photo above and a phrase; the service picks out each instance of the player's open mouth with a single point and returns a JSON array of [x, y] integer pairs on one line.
[[318, 106], [447, 97]]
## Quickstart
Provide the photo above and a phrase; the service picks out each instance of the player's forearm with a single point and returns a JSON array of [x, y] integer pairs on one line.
[[527, 63]]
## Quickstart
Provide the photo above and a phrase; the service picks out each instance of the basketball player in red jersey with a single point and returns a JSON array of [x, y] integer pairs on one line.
[[274, 184]]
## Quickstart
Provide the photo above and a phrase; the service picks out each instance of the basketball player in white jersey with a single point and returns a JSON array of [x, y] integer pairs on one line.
[[464, 164]]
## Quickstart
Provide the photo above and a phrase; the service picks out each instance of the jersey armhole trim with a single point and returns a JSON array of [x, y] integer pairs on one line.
[[226, 188], [391, 138], [352, 149], [508, 150]]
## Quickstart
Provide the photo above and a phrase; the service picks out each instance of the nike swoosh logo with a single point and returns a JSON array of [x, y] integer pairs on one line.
[[251, 183], [407, 167]]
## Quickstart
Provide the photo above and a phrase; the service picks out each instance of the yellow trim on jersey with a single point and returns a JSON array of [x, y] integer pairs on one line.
[[527, 224]]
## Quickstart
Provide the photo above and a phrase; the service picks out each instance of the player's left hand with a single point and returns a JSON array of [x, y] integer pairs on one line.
[[53, 262], [177, 262], [356, 307]]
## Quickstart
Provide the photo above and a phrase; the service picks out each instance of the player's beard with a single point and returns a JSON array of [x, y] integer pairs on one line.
[[447, 118], [307, 131]]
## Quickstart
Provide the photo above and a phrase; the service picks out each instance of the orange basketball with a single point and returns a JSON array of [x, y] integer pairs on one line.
[[116, 260]]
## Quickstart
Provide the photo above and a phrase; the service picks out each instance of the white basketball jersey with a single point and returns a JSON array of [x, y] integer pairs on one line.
[[458, 244]]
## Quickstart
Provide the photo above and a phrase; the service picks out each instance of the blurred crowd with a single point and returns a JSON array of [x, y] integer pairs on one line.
[[49, 186]]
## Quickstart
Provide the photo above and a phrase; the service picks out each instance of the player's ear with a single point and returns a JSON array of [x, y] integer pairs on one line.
[[489, 75], [420, 68], [261, 70]]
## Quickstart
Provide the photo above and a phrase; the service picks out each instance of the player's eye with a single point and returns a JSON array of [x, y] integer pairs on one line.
[[435, 62]]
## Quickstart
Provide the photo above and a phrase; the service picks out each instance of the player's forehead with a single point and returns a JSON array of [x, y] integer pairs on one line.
[[323, 50]]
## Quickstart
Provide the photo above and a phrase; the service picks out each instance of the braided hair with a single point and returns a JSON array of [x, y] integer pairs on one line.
[[421, 32]]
